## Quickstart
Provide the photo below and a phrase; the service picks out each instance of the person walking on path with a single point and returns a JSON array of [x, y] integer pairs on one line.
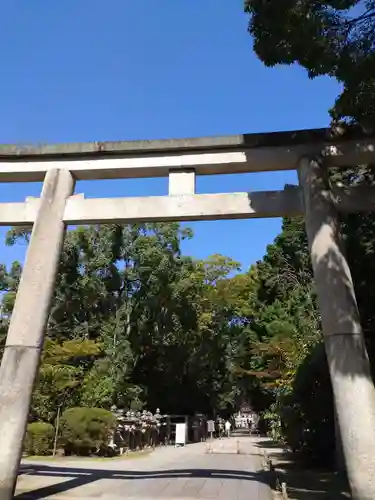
[[227, 428], [249, 424]]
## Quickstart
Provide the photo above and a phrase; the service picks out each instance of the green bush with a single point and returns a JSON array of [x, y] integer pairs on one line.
[[39, 438], [308, 411], [86, 431]]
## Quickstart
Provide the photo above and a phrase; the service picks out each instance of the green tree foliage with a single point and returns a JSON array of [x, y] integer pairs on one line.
[[330, 37], [136, 324], [62, 371], [284, 330]]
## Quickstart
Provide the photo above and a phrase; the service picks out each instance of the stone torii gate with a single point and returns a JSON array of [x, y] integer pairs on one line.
[[310, 152]]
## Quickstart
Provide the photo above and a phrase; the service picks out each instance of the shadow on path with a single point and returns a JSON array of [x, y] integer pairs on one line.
[[82, 476]]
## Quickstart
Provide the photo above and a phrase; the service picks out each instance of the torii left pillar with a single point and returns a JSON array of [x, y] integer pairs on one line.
[[26, 332]]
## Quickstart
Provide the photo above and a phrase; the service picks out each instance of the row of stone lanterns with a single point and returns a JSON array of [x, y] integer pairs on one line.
[[137, 430]]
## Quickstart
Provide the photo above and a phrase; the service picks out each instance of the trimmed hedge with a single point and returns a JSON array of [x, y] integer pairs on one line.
[[39, 438], [86, 431]]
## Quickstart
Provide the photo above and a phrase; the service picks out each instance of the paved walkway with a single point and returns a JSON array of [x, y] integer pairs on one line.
[[192, 472]]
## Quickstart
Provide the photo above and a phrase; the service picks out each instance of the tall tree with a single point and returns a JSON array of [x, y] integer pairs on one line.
[[136, 321], [326, 37]]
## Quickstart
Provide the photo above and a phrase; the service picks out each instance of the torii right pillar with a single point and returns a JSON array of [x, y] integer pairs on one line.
[[349, 366]]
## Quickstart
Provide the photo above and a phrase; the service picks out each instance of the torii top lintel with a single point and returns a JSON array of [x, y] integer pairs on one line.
[[206, 155]]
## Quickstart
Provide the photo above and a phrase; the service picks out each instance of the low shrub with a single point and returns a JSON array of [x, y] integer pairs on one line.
[[39, 438], [86, 431], [308, 412]]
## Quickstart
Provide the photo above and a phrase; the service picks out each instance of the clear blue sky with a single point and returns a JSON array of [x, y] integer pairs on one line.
[[92, 70]]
